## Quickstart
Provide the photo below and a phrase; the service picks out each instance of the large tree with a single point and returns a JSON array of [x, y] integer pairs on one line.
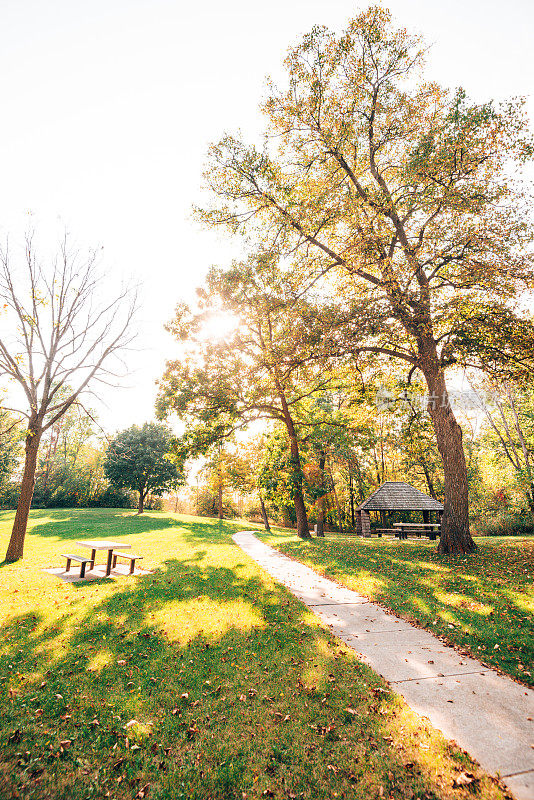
[[401, 191], [59, 332], [280, 350], [140, 459]]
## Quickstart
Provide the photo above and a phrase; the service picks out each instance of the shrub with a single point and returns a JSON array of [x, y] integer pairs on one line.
[[113, 498], [207, 505], [506, 522], [9, 494]]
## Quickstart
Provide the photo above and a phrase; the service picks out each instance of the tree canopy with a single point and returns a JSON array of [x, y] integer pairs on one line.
[[398, 191], [138, 459], [281, 349]]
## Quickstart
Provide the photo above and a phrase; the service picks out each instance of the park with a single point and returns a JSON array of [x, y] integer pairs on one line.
[[206, 678], [267, 519]]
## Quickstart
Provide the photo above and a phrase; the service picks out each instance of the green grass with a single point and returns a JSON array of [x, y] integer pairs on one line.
[[482, 603], [202, 680]]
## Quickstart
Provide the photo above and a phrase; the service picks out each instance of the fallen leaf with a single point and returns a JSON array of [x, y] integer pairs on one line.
[[464, 779]]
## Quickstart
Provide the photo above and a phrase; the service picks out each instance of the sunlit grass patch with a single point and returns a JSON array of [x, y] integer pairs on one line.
[[463, 601], [204, 679], [182, 622]]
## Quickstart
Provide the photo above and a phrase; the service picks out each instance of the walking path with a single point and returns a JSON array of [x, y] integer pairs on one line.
[[490, 716]]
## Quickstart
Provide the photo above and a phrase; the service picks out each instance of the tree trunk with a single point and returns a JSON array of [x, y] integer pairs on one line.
[[336, 500], [428, 479], [455, 535], [361, 487], [220, 499], [141, 504], [351, 493], [320, 519], [15, 548], [303, 528], [264, 515], [320, 503]]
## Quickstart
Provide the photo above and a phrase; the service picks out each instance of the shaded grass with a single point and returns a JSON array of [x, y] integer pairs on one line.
[[482, 602], [203, 680]]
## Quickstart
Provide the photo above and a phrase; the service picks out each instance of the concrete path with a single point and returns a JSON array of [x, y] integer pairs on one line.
[[490, 716]]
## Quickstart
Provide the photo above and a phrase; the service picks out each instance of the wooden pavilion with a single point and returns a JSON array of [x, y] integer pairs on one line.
[[395, 496]]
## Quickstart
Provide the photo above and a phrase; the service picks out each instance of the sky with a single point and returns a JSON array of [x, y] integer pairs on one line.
[[108, 108]]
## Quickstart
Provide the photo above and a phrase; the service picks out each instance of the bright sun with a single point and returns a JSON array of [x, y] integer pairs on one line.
[[219, 326]]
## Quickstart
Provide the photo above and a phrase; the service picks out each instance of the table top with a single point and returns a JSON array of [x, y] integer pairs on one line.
[[418, 524], [103, 544]]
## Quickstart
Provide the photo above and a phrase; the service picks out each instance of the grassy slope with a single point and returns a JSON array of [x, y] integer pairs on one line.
[[482, 602], [202, 680]]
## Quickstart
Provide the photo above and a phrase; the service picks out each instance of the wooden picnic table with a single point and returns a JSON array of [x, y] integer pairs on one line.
[[103, 544], [430, 528]]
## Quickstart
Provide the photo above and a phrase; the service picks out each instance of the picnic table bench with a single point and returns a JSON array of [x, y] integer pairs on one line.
[[129, 556], [430, 529], [73, 557]]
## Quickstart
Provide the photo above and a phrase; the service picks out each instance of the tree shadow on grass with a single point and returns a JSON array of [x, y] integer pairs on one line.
[[91, 523], [200, 681], [107, 523]]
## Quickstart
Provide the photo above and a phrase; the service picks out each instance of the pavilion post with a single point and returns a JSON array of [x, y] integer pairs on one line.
[[358, 523], [366, 523]]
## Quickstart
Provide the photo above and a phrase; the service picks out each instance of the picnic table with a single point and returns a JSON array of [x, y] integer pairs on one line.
[[430, 529], [102, 544]]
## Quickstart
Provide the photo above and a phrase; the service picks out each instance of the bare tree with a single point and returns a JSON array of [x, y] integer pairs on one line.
[[58, 333]]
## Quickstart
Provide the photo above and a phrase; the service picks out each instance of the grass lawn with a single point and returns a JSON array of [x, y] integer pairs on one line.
[[202, 680], [483, 602]]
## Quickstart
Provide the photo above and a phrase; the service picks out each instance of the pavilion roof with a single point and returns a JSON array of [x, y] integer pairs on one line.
[[399, 496]]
